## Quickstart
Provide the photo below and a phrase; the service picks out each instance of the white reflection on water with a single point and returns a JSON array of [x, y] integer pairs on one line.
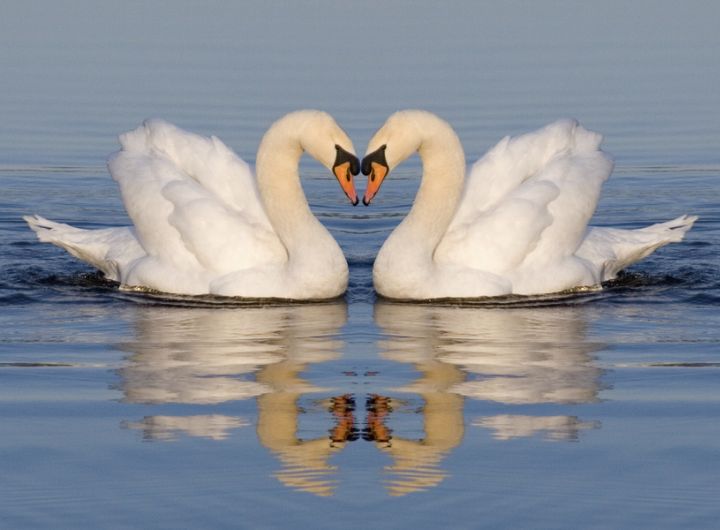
[[522, 355], [208, 356], [196, 356], [305, 461], [514, 356], [167, 428], [553, 428]]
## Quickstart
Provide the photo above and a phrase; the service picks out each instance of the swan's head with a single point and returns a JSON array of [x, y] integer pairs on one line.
[[396, 140], [323, 139]]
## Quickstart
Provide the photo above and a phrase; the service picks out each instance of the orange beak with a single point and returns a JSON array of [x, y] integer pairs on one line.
[[346, 165], [376, 168], [345, 178], [375, 179]]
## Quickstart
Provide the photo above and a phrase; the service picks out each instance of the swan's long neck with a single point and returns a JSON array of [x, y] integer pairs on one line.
[[435, 204], [304, 237]]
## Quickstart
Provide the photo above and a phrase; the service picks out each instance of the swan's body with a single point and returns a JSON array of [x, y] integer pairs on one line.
[[202, 223], [517, 225]]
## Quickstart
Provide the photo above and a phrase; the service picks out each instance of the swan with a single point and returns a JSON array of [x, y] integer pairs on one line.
[[516, 225], [203, 224]]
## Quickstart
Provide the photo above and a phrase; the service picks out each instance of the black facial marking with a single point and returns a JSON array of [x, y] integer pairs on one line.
[[343, 156], [377, 156]]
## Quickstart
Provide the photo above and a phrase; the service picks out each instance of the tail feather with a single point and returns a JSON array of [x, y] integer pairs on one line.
[[106, 249], [614, 249], [49, 231], [674, 230]]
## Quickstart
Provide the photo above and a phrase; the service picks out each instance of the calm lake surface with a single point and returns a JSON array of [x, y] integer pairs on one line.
[[122, 410]]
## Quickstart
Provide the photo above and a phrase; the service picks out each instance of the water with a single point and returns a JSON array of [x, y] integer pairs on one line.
[[126, 410]]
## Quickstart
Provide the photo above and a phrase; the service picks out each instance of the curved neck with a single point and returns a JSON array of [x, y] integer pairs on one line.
[[443, 161], [281, 191]]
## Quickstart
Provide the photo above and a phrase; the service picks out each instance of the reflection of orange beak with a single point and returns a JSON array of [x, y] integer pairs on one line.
[[344, 176], [375, 179]]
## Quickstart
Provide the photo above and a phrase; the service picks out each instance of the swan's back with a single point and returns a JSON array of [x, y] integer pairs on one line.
[[195, 208], [199, 224], [208, 161], [528, 201], [514, 161]]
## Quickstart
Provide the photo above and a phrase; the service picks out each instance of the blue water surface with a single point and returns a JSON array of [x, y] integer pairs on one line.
[[125, 410]]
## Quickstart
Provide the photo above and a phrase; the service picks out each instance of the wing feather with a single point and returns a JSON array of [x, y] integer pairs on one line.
[[528, 200], [194, 203]]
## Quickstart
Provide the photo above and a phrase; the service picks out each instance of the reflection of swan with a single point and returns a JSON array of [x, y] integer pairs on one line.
[[555, 428], [520, 226], [200, 225], [305, 461], [199, 355], [412, 338], [166, 428], [207, 356], [508, 355], [520, 355]]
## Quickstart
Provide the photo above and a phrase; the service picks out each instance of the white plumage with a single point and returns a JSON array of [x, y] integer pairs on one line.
[[517, 225], [203, 224]]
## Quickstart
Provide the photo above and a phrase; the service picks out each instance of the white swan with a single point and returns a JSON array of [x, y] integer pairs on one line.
[[204, 225], [518, 225]]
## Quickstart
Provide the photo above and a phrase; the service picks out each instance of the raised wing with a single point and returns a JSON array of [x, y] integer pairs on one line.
[[194, 202], [528, 200]]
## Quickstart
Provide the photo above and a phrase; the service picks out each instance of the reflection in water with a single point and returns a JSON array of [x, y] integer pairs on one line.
[[211, 355], [167, 428], [411, 338], [505, 355], [198, 355], [523, 355], [554, 428], [305, 462], [208, 356]]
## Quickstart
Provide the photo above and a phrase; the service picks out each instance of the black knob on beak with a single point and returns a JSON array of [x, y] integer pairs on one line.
[[377, 156], [343, 156]]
